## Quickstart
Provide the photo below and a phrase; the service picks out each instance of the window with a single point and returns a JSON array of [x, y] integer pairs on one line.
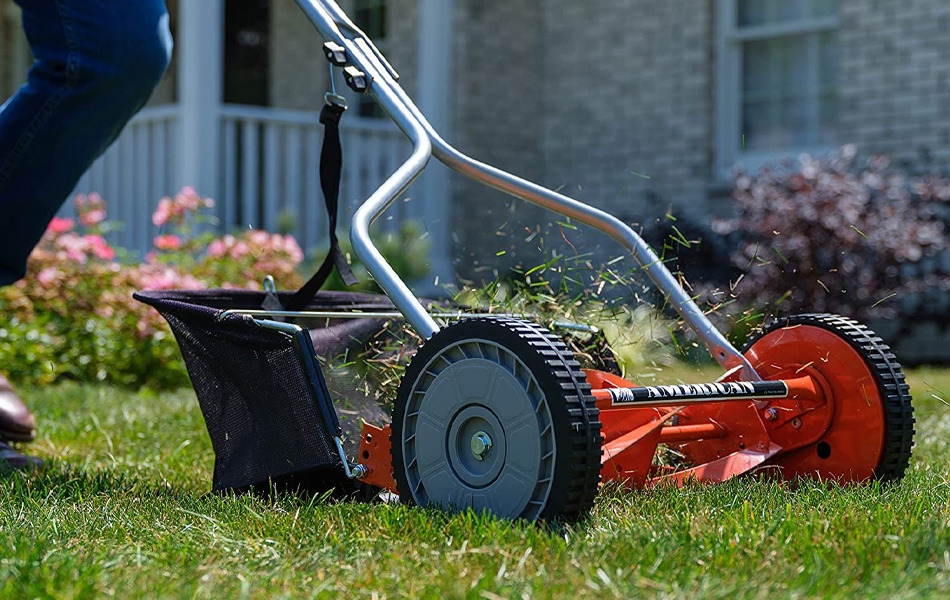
[[776, 79], [371, 17], [246, 52]]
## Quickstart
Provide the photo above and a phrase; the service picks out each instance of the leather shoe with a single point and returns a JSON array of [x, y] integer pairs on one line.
[[11, 460], [16, 422]]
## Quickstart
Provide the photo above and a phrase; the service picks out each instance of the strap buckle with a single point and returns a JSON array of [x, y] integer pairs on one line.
[[334, 99]]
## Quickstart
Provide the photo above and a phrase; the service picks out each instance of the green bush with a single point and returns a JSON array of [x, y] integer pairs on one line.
[[73, 315]]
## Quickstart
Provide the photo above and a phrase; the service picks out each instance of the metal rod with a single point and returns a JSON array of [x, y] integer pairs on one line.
[[288, 328], [330, 314], [376, 204], [358, 471], [687, 433]]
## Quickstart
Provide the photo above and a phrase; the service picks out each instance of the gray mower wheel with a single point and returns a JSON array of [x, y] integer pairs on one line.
[[496, 415]]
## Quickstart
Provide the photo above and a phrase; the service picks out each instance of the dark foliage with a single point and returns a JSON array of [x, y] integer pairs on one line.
[[819, 234]]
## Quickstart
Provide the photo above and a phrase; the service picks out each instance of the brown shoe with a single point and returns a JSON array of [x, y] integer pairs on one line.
[[11, 460], [16, 422]]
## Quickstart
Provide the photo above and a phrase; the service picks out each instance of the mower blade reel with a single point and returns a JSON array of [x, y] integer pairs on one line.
[[629, 457], [720, 469]]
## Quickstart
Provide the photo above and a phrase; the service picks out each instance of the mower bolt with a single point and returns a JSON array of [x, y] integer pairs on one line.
[[480, 445], [797, 423], [771, 414], [359, 471]]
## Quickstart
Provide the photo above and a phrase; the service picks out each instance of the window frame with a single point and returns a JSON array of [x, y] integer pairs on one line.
[[729, 39], [365, 107]]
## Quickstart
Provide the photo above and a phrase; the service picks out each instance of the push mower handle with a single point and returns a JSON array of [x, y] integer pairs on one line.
[[335, 26], [331, 21]]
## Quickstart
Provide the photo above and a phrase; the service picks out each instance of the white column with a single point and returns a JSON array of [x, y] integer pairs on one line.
[[200, 48], [436, 35]]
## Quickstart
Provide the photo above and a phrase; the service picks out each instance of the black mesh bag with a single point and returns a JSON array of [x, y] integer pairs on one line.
[[262, 391]]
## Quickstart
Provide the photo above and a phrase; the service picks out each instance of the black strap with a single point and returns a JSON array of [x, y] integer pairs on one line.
[[331, 167]]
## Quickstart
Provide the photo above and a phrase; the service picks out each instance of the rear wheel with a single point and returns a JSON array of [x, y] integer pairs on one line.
[[495, 414], [871, 432]]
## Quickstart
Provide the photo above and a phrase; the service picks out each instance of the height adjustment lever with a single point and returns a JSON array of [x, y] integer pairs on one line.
[[335, 53], [356, 79]]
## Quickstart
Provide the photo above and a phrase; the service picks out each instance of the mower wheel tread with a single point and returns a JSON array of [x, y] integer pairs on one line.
[[582, 447]]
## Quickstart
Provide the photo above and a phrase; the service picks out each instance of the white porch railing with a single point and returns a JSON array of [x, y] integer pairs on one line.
[[134, 174], [268, 173]]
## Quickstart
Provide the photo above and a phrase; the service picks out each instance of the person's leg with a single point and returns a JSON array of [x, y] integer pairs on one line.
[[97, 62]]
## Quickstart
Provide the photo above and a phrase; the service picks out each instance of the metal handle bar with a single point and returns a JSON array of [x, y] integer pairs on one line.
[[328, 18]]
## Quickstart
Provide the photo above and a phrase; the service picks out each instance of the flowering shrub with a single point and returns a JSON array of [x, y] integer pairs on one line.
[[820, 235], [73, 315]]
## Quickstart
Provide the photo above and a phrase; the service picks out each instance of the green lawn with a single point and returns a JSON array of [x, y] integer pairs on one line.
[[122, 510]]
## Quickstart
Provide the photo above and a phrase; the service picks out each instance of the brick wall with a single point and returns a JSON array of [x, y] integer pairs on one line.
[[894, 74], [627, 96], [497, 116], [609, 102]]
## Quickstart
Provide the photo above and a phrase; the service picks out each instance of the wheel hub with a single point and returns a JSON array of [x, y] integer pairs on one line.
[[476, 446], [480, 445]]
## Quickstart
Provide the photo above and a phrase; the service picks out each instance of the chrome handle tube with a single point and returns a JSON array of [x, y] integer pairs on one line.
[[715, 342], [329, 19]]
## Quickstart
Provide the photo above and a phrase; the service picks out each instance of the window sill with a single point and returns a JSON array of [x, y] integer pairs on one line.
[[754, 161]]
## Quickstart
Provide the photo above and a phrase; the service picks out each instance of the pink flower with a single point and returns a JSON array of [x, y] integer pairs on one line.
[[91, 209], [100, 248], [60, 225], [92, 217], [76, 255], [292, 248], [217, 247], [167, 242], [259, 237], [105, 252], [240, 250], [163, 212], [47, 275], [188, 197]]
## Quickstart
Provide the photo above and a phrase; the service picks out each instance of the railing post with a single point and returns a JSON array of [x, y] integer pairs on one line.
[[200, 60], [436, 19]]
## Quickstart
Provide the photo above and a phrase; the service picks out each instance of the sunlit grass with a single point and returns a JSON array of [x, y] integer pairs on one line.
[[122, 509]]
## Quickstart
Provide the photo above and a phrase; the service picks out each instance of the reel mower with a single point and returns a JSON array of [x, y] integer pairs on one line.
[[494, 413]]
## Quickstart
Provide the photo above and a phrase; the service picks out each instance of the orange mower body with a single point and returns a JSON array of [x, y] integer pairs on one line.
[[821, 413]]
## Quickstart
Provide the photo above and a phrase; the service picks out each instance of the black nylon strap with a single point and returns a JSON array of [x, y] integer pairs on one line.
[[331, 168]]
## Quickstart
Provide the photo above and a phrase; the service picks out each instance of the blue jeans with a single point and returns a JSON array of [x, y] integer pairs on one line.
[[96, 64]]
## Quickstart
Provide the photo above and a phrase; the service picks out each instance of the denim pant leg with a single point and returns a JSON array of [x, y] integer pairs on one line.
[[96, 64]]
